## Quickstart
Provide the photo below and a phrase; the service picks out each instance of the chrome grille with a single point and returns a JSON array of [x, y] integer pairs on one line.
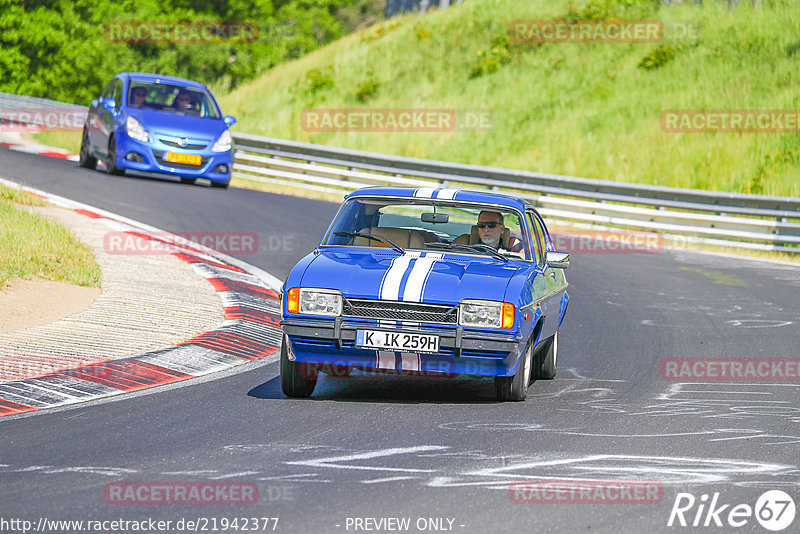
[[400, 311], [189, 146]]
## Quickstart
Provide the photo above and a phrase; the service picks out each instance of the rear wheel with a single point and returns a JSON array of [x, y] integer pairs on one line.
[[297, 379], [545, 360], [515, 388], [85, 158], [111, 163]]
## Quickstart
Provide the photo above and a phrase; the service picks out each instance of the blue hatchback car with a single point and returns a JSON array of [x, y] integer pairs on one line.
[[154, 123], [430, 281]]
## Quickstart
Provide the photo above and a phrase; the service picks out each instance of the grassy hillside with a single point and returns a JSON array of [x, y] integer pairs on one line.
[[585, 109]]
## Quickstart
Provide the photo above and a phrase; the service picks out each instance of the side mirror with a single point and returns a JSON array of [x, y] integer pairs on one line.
[[110, 104], [558, 260], [230, 120], [435, 218]]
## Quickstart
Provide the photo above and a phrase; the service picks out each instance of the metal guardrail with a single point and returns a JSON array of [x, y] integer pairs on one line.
[[680, 215], [12, 101]]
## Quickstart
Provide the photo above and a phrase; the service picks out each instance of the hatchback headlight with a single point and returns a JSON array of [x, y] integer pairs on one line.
[[223, 144], [313, 301], [136, 131], [486, 314]]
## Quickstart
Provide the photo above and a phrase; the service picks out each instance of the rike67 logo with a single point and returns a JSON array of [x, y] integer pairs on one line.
[[774, 510]]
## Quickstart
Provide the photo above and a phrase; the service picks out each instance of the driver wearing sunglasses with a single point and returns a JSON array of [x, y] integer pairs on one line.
[[490, 231], [490, 228]]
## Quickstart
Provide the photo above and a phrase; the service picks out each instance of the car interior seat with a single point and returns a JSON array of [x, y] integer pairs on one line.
[[402, 236]]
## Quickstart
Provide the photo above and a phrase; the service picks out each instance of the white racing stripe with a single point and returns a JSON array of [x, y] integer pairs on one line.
[[419, 274], [447, 194], [424, 192], [385, 359], [390, 286], [409, 361]]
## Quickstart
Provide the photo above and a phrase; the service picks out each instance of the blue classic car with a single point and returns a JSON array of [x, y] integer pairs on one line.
[[162, 124], [430, 280]]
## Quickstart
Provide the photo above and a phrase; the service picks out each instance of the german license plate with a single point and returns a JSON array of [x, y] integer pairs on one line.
[[188, 159], [378, 339]]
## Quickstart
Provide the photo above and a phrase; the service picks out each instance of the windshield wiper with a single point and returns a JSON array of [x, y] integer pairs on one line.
[[397, 247], [474, 248]]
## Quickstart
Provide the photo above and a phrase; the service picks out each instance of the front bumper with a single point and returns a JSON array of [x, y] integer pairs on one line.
[[461, 351], [151, 155]]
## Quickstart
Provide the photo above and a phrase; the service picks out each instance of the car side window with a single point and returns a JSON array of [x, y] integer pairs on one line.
[[542, 245], [537, 236], [107, 91], [116, 91]]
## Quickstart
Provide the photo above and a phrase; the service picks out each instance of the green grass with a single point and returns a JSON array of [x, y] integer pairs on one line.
[[67, 139], [33, 246], [589, 110]]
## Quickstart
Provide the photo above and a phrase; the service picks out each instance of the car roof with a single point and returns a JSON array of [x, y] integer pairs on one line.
[[464, 195], [161, 78]]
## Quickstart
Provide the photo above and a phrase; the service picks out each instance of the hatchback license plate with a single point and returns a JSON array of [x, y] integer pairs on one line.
[[187, 159], [378, 339]]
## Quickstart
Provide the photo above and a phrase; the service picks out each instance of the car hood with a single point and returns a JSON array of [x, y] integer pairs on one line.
[[178, 125], [415, 276]]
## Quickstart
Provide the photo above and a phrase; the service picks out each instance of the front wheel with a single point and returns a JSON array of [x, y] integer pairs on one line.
[[515, 388], [297, 379], [85, 158], [111, 163], [546, 359]]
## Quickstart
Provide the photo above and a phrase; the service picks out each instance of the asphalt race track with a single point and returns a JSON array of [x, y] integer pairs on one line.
[[442, 453]]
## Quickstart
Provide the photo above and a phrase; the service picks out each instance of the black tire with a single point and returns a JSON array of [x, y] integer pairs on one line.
[[220, 185], [515, 388], [111, 162], [185, 180], [297, 379], [545, 360], [336, 370], [85, 158]]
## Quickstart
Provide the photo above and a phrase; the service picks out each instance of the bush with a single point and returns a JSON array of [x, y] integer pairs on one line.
[[658, 57], [491, 59], [318, 80], [367, 88]]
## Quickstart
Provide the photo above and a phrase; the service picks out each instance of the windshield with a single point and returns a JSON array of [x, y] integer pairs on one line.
[[172, 99], [429, 225]]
